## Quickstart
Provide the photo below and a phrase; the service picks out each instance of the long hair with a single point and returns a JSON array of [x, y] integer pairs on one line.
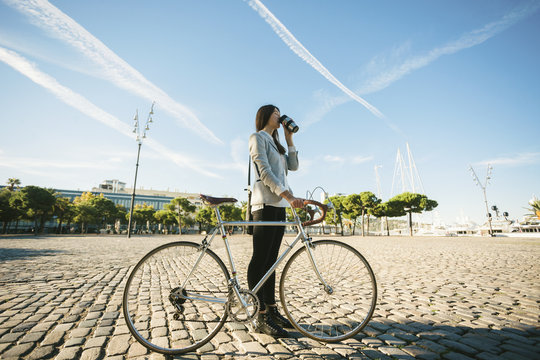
[[263, 115]]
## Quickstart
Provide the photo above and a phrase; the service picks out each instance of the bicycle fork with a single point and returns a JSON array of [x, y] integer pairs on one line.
[[309, 245]]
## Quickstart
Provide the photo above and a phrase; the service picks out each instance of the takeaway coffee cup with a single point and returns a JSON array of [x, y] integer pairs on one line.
[[288, 123]]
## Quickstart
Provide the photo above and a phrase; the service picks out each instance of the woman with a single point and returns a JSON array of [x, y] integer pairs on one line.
[[271, 195]]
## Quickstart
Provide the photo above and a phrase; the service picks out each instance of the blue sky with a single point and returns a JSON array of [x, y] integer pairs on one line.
[[457, 80]]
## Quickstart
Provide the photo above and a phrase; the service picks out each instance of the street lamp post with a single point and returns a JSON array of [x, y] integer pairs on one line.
[[139, 139], [483, 187]]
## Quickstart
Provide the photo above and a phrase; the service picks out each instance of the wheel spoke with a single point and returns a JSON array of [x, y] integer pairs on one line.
[[317, 313], [160, 314]]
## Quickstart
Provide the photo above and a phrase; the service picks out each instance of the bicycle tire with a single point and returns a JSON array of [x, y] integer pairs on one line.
[[334, 315], [150, 313]]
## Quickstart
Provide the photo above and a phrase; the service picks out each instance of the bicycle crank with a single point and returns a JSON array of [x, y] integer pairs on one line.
[[244, 309]]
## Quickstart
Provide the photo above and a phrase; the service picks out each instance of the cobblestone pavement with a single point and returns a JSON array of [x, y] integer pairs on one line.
[[439, 298]]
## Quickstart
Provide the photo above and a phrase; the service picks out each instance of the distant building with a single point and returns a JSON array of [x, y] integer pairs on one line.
[[112, 186], [116, 191]]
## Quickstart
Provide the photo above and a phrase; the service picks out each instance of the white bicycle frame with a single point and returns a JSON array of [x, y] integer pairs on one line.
[[234, 277]]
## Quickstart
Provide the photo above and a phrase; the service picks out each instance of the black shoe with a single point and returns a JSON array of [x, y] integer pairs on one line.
[[265, 325], [278, 318]]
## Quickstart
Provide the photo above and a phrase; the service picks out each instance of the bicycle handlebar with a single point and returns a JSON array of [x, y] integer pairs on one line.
[[321, 206]]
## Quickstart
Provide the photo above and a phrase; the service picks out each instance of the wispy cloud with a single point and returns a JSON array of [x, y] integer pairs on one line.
[[361, 159], [239, 154], [114, 69], [341, 160], [308, 165], [83, 105], [334, 159], [305, 55], [25, 162], [36, 48], [515, 160], [391, 74], [42, 167], [326, 103], [237, 161], [468, 40]]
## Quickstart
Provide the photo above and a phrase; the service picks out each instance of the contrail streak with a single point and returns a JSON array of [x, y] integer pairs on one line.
[[467, 40], [82, 104], [115, 69], [304, 54]]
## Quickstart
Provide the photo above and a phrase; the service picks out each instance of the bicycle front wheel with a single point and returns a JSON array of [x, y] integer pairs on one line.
[[340, 309], [175, 298]]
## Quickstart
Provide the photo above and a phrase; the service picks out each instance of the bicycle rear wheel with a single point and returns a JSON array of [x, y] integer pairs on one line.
[[339, 311], [165, 317]]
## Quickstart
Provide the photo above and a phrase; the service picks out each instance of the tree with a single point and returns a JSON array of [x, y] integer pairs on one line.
[[106, 210], [243, 207], [85, 214], [417, 203], [144, 214], [183, 208], [205, 217], [386, 210], [37, 204], [535, 207], [63, 209], [335, 215], [165, 217], [301, 212], [7, 212], [121, 216], [85, 211], [17, 205], [85, 197], [369, 201], [230, 212], [12, 182], [353, 209]]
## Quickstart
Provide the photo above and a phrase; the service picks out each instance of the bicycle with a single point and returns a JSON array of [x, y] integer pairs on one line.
[[179, 295]]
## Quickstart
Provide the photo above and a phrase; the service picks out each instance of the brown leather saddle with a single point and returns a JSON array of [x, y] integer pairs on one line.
[[210, 200]]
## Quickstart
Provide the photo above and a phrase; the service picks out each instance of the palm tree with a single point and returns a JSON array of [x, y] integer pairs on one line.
[[12, 182], [535, 206]]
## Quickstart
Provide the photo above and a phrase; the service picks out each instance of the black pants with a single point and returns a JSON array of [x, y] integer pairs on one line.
[[266, 243]]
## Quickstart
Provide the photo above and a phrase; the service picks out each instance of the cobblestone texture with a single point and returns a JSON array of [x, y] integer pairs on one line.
[[439, 298]]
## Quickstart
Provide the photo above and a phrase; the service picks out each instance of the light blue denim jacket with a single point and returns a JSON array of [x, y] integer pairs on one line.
[[270, 170]]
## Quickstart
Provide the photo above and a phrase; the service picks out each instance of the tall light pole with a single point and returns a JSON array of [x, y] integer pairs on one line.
[[139, 139], [483, 187]]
